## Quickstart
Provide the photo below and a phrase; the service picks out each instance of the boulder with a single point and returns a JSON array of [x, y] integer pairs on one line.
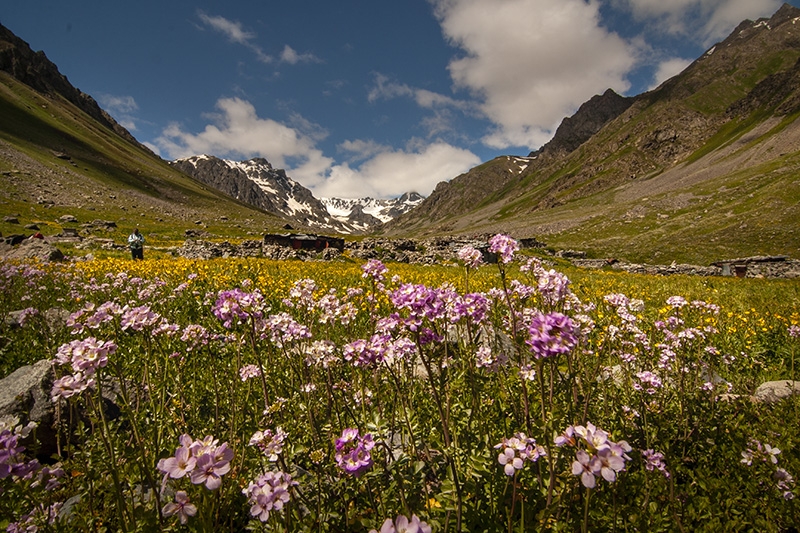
[[35, 249], [775, 391], [26, 393]]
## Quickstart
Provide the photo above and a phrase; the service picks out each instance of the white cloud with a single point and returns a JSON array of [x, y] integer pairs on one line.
[[119, 104], [389, 173], [120, 107], [532, 62], [232, 29], [237, 131], [669, 68], [704, 21], [236, 33], [290, 55], [384, 88]]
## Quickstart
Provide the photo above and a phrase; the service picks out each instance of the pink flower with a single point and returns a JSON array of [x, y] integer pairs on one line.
[[178, 466], [181, 507], [209, 472]]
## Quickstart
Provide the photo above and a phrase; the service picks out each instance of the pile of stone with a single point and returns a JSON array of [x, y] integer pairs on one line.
[[751, 267]]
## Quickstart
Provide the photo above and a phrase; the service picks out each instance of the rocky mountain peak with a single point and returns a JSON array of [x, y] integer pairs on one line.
[[590, 117]]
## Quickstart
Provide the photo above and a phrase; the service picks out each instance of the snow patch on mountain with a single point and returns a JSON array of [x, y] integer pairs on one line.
[[358, 210]]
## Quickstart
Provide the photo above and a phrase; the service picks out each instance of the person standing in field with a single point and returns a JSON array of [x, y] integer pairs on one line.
[[136, 243]]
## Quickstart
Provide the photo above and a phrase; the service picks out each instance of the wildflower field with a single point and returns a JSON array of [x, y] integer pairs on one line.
[[246, 394]]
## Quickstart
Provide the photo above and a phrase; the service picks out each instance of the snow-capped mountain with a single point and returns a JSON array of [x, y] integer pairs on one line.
[[364, 213], [257, 183]]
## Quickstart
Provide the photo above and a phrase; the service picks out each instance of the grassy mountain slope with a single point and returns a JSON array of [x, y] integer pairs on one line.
[[702, 168], [55, 160]]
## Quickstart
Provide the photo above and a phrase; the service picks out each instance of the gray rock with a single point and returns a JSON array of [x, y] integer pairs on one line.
[[26, 393], [37, 249], [774, 391]]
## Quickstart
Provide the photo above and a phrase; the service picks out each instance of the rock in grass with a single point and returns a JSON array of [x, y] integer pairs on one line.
[[775, 391]]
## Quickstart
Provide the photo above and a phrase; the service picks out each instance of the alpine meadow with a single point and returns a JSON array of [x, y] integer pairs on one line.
[[600, 335]]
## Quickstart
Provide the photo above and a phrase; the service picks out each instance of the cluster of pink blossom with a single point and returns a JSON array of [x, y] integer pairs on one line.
[[204, 461], [270, 443], [195, 336], [403, 524], [647, 382], [13, 462], [654, 460], [16, 467], [323, 353], [234, 307], [332, 309], [764, 453], [374, 270], [504, 246], [86, 357], [514, 452], [283, 329], [249, 372], [269, 492], [486, 357], [353, 452], [301, 294], [138, 318], [472, 257], [551, 334], [596, 455], [377, 349]]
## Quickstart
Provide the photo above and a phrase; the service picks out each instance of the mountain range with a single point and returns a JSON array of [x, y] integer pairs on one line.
[[703, 167], [256, 182]]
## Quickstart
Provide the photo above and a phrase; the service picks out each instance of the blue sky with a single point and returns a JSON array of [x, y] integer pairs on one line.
[[365, 97]]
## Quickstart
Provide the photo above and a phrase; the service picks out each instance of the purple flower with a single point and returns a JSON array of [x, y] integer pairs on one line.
[[270, 444], [202, 460], [179, 465], [784, 482], [352, 452], [181, 507], [283, 329], [269, 492], [597, 455], [504, 246], [654, 460], [648, 382], [138, 318], [237, 306], [551, 335], [517, 450], [71, 385], [248, 372], [554, 286], [209, 472], [374, 269], [794, 331], [472, 257], [404, 525]]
